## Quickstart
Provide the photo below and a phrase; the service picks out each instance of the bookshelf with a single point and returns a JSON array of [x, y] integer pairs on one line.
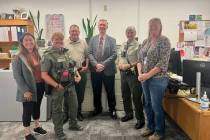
[[10, 32]]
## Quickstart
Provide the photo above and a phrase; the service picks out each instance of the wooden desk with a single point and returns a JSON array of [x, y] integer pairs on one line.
[[194, 122], [4, 62]]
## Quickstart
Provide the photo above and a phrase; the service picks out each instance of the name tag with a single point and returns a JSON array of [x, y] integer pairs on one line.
[[61, 59], [145, 60]]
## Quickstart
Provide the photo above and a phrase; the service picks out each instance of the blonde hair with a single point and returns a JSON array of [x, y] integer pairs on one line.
[[152, 22], [23, 51], [59, 35]]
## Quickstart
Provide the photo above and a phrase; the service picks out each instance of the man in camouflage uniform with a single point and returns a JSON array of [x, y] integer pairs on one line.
[[129, 82], [59, 73]]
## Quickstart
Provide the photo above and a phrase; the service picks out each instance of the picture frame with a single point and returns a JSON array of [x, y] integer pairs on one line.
[[10, 16], [24, 15]]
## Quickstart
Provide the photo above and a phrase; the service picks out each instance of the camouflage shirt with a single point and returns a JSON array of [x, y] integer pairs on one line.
[[57, 63]]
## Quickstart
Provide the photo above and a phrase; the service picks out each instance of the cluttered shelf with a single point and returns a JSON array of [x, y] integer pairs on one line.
[[5, 58], [15, 22], [11, 31]]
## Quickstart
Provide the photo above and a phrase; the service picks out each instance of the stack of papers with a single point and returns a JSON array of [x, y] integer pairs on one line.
[[194, 100]]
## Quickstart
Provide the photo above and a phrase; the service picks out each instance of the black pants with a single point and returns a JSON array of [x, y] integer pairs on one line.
[[109, 83], [132, 91], [33, 108], [80, 90]]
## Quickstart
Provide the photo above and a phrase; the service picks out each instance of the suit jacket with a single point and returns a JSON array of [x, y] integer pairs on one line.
[[109, 54], [24, 77]]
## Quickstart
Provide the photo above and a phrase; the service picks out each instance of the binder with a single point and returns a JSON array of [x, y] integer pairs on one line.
[[1, 34], [14, 33], [23, 29], [19, 33], [9, 33], [4, 34]]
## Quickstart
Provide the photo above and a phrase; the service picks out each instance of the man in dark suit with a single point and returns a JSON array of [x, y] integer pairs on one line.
[[102, 55]]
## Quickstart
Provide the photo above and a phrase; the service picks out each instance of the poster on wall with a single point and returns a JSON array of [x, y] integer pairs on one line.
[[54, 23]]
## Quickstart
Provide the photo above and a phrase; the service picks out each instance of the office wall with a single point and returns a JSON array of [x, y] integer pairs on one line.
[[170, 12], [73, 10], [119, 13]]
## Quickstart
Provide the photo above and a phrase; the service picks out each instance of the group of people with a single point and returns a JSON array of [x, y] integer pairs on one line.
[[62, 74]]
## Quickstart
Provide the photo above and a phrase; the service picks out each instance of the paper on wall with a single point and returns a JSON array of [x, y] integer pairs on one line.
[[189, 52], [207, 37], [200, 35], [200, 43], [190, 35], [54, 23]]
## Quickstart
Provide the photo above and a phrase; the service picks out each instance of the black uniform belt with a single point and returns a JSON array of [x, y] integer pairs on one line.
[[67, 84], [128, 72]]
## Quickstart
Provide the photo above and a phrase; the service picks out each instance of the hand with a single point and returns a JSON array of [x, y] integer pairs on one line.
[[77, 77], [83, 69], [125, 66], [99, 67], [60, 88], [28, 96], [120, 66], [143, 77]]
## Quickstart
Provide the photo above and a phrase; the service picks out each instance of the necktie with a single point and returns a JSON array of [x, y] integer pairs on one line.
[[100, 50]]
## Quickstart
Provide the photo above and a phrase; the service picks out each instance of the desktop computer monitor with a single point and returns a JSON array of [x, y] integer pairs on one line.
[[190, 67], [175, 64]]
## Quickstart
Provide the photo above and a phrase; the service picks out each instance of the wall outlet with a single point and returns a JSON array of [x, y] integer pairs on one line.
[[105, 7]]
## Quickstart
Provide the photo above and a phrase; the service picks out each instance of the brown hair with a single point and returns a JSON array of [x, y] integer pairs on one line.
[[23, 51], [73, 26]]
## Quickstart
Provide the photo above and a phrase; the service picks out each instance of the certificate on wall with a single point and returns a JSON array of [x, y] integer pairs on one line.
[[54, 23]]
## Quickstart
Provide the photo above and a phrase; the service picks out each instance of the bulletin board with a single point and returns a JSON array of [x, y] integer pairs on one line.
[[54, 23]]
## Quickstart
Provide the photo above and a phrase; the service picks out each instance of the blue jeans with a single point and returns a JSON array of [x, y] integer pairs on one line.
[[154, 90]]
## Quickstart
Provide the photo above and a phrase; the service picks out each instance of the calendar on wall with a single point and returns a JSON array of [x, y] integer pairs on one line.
[[54, 23]]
